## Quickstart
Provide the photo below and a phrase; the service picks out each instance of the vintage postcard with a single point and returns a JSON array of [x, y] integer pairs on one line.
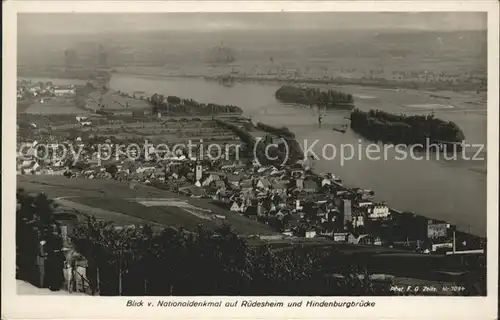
[[250, 160]]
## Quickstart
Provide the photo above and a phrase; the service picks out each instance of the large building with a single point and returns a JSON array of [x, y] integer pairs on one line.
[[65, 91], [346, 211], [378, 211], [437, 229]]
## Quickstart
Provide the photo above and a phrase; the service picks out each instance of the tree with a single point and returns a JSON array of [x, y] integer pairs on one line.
[[92, 240], [219, 262], [35, 221], [112, 169]]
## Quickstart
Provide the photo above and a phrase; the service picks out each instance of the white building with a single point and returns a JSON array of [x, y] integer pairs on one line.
[[64, 91], [378, 211], [358, 221], [362, 204], [310, 234], [326, 181]]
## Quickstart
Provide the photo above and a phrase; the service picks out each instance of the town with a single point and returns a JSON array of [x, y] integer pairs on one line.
[[289, 200]]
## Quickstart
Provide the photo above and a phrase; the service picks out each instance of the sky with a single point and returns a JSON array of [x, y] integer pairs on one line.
[[90, 23]]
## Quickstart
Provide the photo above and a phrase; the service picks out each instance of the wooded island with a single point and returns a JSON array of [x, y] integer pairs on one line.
[[378, 125], [329, 99]]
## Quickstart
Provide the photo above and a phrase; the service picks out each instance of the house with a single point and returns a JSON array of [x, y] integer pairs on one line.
[[362, 204], [310, 185], [321, 212], [246, 184], [437, 229], [64, 91], [233, 179], [263, 169], [222, 195], [26, 163], [57, 163], [378, 211], [443, 246], [326, 182], [263, 183], [288, 233], [298, 207], [358, 221], [340, 236], [193, 191], [300, 184], [276, 172], [279, 185], [310, 234], [342, 193], [228, 166], [281, 214], [218, 184], [256, 163], [209, 178], [237, 206]]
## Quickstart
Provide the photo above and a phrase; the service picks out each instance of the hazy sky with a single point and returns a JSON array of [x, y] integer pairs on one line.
[[119, 22]]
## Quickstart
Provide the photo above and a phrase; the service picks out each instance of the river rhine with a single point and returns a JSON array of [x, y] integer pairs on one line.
[[452, 190]]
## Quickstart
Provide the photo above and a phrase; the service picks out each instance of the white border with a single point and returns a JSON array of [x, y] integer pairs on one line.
[[62, 307]]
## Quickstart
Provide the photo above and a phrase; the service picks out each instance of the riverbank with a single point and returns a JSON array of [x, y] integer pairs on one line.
[[445, 98], [375, 83], [293, 144]]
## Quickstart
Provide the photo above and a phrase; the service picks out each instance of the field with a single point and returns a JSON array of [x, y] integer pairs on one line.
[[55, 105], [316, 55], [114, 101], [312, 54], [56, 81], [118, 202], [173, 130], [66, 205]]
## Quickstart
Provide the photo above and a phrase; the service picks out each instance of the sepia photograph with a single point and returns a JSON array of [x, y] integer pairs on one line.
[[253, 154]]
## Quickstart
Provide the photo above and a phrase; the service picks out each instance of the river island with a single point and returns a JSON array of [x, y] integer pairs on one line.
[[382, 126], [328, 99]]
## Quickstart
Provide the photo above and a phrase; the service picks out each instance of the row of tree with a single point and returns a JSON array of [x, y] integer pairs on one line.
[[382, 126], [219, 262], [329, 99], [283, 131], [173, 104], [259, 150], [292, 149]]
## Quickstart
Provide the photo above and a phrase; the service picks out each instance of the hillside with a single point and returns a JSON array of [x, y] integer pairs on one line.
[[158, 207]]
